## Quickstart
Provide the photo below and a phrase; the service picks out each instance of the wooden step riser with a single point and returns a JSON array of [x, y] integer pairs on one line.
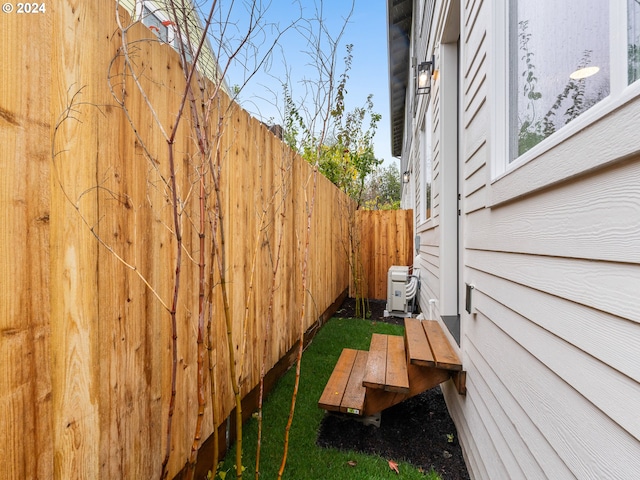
[[421, 379], [376, 400]]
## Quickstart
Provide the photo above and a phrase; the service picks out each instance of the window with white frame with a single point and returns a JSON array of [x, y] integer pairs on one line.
[[425, 166], [157, 22], [559, 65], [538, 124]]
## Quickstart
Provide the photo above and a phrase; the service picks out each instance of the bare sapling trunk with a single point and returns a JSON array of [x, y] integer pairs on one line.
[[356, 266], [285, 178], [129, 70], [174, 306], [328, 96], [219, 248], [199, 118], [305, 262]]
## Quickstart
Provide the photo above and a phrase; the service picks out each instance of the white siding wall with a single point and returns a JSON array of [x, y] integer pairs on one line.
[[553, 353], [129, 5], [430, 232]]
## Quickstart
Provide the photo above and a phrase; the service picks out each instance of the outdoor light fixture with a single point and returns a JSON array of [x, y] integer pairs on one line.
[[425, 71], [405, 177]]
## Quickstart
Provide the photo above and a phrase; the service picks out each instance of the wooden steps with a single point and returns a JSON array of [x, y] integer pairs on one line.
[[386, 365], [429, 351], [394, 369], [344, 391], [427, 345]]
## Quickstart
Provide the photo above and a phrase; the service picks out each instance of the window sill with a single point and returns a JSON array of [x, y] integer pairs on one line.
[[425, 224], [600, 137]]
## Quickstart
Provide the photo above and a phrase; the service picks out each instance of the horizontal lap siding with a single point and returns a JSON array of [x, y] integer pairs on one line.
[[597, 292], [429, 231], [551, 354], [593, 218], [429, 266], [490, 440], [529, 362], [565, 355], [474, 107]]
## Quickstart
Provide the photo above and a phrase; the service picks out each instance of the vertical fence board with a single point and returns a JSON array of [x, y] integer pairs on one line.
[[75, 327], [26, 439], [384, 239], [86, 345]]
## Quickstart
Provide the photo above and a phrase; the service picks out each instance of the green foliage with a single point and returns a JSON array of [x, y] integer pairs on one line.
[[527, 56], [346, 154], [383, 189], [529, 133]]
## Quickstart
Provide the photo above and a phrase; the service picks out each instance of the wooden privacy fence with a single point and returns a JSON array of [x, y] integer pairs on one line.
[[384, 238], [89, 247]]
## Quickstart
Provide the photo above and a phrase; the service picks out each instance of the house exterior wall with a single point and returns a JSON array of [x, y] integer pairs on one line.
[[552, 247]]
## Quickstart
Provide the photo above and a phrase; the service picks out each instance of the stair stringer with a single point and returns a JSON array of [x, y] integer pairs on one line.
[[421, 379]]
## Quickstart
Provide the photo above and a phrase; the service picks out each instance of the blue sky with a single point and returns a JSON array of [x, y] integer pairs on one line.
[[366, 30]]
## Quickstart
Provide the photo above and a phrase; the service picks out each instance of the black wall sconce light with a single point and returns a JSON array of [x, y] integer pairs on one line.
[[423, 78], [405, 176]]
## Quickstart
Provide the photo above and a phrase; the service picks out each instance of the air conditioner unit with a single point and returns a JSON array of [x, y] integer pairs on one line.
[[402, 289]]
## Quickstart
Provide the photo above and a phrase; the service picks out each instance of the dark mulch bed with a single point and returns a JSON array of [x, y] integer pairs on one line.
[[419, 430]]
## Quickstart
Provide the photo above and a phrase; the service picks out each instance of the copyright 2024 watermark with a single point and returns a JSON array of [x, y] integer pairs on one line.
[[24, 8]]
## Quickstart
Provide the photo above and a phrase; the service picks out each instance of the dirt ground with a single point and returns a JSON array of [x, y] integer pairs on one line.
[[418, 430]]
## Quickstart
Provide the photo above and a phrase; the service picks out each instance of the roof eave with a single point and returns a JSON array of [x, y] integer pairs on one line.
[[399, 20]]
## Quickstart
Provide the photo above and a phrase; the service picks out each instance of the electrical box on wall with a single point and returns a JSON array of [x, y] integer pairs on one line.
[[468, 299]]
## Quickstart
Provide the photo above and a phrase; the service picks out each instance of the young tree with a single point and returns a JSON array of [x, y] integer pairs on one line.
[[344, 153], [184, 153], [383, 189], [205, 113]]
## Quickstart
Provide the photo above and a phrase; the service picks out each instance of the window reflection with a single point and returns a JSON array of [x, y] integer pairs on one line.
[[155, 24], [559, 65], [633, 40]]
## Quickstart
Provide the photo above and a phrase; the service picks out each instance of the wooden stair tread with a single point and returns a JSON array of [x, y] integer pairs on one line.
[[418, 349], [386, 364], [375, 373], [429, 347], [344, 391], [444, 354], [354, 395]]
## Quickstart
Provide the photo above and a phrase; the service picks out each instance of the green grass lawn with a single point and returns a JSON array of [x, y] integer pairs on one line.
[[306, 461]]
